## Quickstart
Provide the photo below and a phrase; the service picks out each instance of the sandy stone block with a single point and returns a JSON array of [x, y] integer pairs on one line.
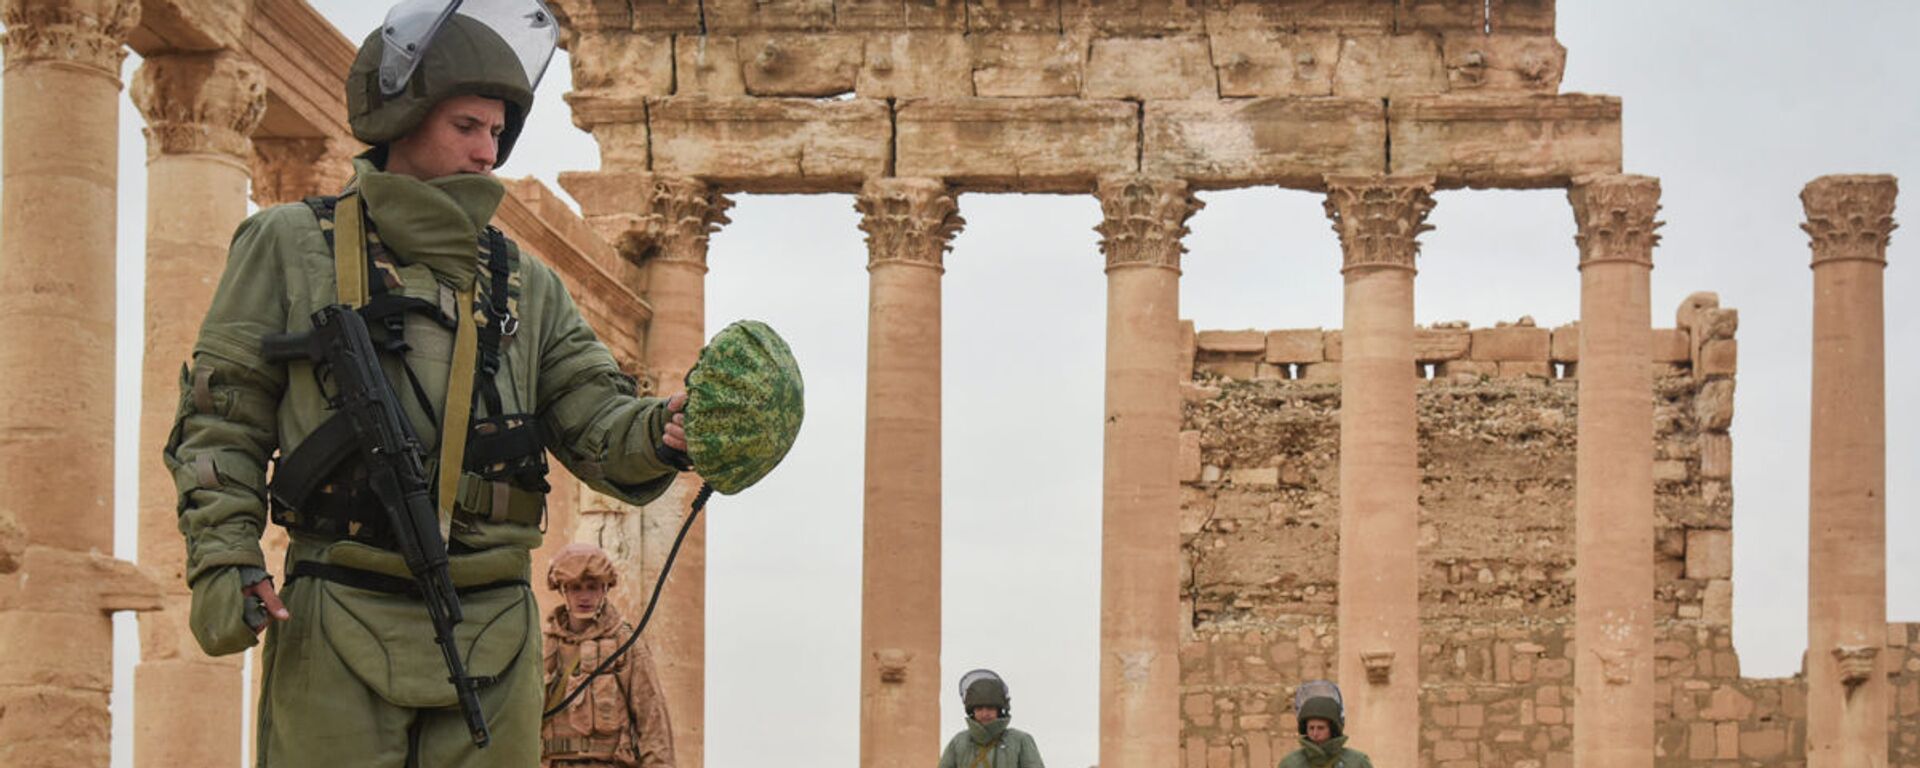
[[1132, 17], [708, 65], [1717, 358], [1473, 715], [1270, 372], [1029, 145], [1671, 345], [1717, 605], [746, 15], [800, 64], [1466, 371], [1197, 393], [1449, 749], [1320, 373], [1521, 16], [1012, 15], [765, 145], [651, 15], [1506, 141], [1260, 61], [1525, 369], [1709, 554], [1726, 738], [1443, 15], [924, 64], [1028, 65], [1551, 715], [1566, 344], [1151, 68], [1239, 370], [1713, 405], [637, 65], [1259, 745], [1254, 477], [1356, 16], [1389, 66], [1232, 342], [1764, 744], [1716, 455], [1727, 705], [1669, 471], [1199, 708], [1512, 344], [1296, 346], [1330, 341], [1477, 62], [869, 14], [622, 145], [1190, 456], [1700, 741], [1291, 142], [1713, 323], [1438, 345]]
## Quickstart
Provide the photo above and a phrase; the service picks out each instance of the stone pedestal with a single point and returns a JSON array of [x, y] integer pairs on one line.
[[1613, 476], [57, 251], [1850, 219], [1145, 219], [1379, 219], [909, 224], [662, 223], [199, 110]]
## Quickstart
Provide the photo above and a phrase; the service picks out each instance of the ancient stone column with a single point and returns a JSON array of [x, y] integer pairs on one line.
[[199, 110], [1613, 474], [1850, 219], [1379, 220], [1145, 218], [910, 224], [57, 253], [662, 222]]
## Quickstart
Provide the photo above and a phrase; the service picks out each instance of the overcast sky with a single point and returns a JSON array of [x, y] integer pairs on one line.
[[1735, 105]]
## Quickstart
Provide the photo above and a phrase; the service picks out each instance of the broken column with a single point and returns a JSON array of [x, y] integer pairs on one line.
[[199, 110], [662, 223], [1850, 219], [1145, 219], [1613, 474], [910, 224], [57, 250], [1379, 220]]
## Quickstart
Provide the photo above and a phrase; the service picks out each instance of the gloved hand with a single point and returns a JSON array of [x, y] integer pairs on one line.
[[672, 446], [225, 618]]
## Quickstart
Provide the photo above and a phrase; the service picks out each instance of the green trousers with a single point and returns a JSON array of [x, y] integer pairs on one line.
[[355, 679]]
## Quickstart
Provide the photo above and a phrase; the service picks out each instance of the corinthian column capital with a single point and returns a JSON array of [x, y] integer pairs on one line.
[[200, 103], [1379, 218], [1145, 220], [649, 216], [85, 33], [1614, 214], [1850, 218], [910, 221], [287, 170]]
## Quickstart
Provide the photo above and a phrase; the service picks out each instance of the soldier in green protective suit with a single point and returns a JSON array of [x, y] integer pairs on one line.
[[990, 740], [480, 341], [1322, 718]]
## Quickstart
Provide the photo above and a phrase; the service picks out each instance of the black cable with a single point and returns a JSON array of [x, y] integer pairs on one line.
[[699, 503]]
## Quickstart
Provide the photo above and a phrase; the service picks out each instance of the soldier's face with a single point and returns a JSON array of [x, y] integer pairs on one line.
[[1319, 730], [584, 597], [460, 135], [984, 715]]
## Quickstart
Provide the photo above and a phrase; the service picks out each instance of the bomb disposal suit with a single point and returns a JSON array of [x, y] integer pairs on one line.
[[480, 340], [620, 720]]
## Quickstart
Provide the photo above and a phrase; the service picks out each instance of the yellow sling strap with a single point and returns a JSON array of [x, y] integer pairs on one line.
[[349, 252], [459, 408], [981, 758]]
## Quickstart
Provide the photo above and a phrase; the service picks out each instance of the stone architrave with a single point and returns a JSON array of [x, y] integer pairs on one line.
[[1613, 474], [288, 170], [1850, 219], [1379, 220], [57, 249], [661, 222], [910, 224], [1145, 219], [199, 110]]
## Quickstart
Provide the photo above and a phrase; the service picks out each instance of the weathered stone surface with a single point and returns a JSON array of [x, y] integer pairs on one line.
[[13, 542], [869, 14], [1034, 145], [1433, 345], [770, 144], [1716, 456], [1151, 68], [1521, 16], [1302, 346], [1713, 407], [1671, 345], [1476, 62], [936, 14], [1389, 66], [626, 64], [922, 64], [685, 16], [190, 25], [1288, 142], [1717, 358], [1028, 65], [1443, 16], [746, 15], [1520, 142], [1359, 16], [1512, 344], [1272, 62], [1132, 17], [708, 65], [1013, 15], [1709, 554], [1251, 342], [800, 64]]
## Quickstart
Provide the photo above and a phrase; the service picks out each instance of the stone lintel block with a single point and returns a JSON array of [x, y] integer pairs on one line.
[[800, 63], [1521, 16], [194, 25], [1512, 344], [756, 15], [770, 145], [1355, 16], [1320, 373], [1232, 342], [708, 65], [916, 64], [1190, 456], [1518, 63], [1133, 17], [1390, 66], [1506, 141], [1438, 345], [937, 14], [1443, 16], [1717, 358], [1566, 344], [655, 15], [1330, 341], [1025, 145], [1013, 16], [1028, 65], [1709, 553], [1296, 346], [592, 109], [1671, 345], [869, 14], [622, 63], [1290, 142], [1272, 62], [1716, 456], [1151, 68]]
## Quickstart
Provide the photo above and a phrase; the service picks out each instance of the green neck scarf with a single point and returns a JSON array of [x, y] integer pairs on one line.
[[1319, 753], [436, 223], [984, 734]]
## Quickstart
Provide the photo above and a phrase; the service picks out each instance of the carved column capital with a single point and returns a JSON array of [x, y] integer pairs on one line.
[[649, 216], [84, 33], [910, 221], [1145, 220], [1850, 217], [1379, 218], [199, 103], [1614, 214], [287, 170]]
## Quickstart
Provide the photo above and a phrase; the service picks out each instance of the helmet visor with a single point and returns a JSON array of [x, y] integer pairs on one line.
[[967, 680], [526, 26], [1318, 689]]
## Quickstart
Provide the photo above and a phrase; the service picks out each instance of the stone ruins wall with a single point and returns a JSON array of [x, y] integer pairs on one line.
[[1260, 522]]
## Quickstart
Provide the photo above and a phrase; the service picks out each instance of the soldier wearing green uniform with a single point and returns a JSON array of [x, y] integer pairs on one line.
[[480, 341], [1322, 718], [990, 740]]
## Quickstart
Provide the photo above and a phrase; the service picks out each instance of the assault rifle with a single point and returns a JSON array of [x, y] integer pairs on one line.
[[392, 452]]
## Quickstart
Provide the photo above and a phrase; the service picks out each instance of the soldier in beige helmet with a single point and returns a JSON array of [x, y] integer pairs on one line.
[[620, 720]]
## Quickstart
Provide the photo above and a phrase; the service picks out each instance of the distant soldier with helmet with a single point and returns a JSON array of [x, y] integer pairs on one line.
[[620, 720], [1322, 717], [990, 740]]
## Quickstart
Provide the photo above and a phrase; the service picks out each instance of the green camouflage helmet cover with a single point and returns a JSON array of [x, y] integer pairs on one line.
[[466, 58], [745, 401]]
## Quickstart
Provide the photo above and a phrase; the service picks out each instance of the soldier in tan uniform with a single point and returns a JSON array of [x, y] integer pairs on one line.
[[620, 721]]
